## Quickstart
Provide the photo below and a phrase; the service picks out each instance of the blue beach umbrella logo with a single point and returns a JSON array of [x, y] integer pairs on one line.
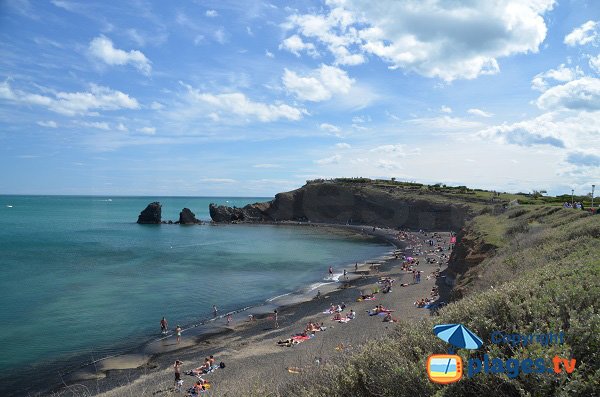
[[447, 368], [458, 336]]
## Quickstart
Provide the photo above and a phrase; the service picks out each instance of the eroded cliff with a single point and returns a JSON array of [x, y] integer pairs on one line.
[[368, 204]]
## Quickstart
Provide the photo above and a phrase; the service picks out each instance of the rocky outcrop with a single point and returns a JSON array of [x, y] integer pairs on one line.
[[151, 214], [346, 203], [187, 217], [250, 213]]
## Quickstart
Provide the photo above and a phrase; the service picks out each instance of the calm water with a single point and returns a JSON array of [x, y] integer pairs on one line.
[[79, 279]]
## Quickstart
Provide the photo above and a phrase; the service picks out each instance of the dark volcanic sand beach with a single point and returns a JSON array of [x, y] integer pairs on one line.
[[250, 350]]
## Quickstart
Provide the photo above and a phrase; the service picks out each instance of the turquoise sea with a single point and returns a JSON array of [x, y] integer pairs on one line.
[[80, 280]]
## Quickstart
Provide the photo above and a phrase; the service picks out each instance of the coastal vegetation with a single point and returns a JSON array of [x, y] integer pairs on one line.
[[535, 197], [537, 273]]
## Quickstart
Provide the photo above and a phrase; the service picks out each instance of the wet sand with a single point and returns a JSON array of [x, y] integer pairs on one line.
[[249, 348]]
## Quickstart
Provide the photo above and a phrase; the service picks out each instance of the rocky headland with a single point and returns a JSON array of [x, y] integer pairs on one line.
[[354, 203]]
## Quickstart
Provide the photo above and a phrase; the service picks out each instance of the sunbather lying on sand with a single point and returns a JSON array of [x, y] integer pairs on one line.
[[314, 327], [379, 310], [367, 297], [389, 319], [199, 387]]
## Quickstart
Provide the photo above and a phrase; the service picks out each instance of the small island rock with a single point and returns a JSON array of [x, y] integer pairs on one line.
[[151, 214], [187, 217]]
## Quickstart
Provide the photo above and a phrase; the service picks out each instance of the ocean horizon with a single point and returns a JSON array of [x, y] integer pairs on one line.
[[81, 280]]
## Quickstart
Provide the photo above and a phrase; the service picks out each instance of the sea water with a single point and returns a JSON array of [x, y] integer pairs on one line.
[[81, 280]]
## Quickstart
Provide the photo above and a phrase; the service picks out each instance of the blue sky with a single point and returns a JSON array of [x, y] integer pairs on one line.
[[252, 98]]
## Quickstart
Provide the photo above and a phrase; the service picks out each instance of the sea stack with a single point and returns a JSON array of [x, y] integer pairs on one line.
[[187, 217], [151, 214]]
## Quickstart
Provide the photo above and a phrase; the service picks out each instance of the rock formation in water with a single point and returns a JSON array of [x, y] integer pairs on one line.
[[187, 217], [151, 214], [341, 203]]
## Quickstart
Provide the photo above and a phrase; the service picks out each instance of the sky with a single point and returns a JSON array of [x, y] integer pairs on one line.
[[250, 98]]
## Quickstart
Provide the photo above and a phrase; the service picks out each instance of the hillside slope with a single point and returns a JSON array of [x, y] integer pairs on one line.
[[540, 274]]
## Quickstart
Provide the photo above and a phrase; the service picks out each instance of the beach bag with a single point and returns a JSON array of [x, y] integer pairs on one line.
[[221, 364]]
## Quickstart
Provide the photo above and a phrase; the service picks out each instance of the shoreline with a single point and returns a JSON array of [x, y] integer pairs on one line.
[[142, 355], [291, 314]]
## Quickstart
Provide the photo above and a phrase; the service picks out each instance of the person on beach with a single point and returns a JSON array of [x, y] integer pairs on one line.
[[178, 333], [275, 318], [215, 311], [163, 326], [356, 268], [345, 275], [330, 272], [229, 318], [177, 368]]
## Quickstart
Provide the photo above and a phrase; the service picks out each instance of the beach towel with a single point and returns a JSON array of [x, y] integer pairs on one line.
[[344, 320], [301, 338]]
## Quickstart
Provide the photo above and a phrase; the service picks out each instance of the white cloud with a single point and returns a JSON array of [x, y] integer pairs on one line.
[[238, 104], [269, 54], [595, 63], [121, 127], [329, 128], [563, 74], [212, 13], [361, 119], [199, 39], [585, 34], [94, 124], [218, 180], [559, 129], [343, 145], [220, 36], [102, 48], [295, 45], [389, 149], [479, 112], [267, 165], [449, 40], [48, 124], [156, 105], [581, 94], [334, 30], [147, 130], [73, 103], [329, 160], [320, 85], [444, 123], [446, 109]]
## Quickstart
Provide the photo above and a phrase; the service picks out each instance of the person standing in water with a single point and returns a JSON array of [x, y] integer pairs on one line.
[[215, 311], [164, 325], [178, 333], [330, 272]]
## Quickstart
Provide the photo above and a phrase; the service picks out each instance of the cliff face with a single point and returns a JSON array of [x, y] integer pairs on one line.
[[470, 250], [341, 203]]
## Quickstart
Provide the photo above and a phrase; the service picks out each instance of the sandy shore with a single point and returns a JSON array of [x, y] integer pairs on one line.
[[250, 350]]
